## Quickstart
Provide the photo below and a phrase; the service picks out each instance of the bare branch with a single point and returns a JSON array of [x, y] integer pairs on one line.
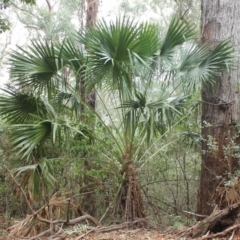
[[21, 9], [72, 221], [49, 5], [221, 234]]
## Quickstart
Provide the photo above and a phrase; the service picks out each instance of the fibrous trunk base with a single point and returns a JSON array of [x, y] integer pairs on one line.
[[129, 202]]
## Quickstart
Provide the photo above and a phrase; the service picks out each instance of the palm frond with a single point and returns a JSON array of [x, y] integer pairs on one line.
[[73, 56], [178, 33], [164, 113], [19, 107], [36, 66], [110, 49], [135, 104], [27, 137], [203, 65], [34, 176]]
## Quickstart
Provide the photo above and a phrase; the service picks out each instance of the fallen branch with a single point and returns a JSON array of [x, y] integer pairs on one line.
[[111, 228], [218, 219], [221, 234], [195, 214], [50, 221], [41, 234], [72, 221]]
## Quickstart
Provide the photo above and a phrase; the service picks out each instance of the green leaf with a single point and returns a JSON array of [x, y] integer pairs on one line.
[[19, 107], [111, 48], [178, 33], [27, 137], [35, 67]]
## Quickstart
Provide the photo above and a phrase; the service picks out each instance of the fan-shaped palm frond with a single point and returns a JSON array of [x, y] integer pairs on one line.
[[148, 119], [73, 56], [201, 65], [113, 47], [19, 107], [178, 33], [35, 67], [27, 137], [30, 138]]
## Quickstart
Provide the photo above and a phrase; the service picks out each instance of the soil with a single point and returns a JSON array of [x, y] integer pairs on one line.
[[136, 234], [128, 234], [142, 234]]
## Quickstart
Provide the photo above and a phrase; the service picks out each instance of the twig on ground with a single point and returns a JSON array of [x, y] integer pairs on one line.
[[223, 233], [72, 221], [40, 234], [195, 214], [110, 228]]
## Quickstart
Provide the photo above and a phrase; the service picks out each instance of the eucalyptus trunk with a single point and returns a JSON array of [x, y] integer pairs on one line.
[[92, 11], [220, 107], [89, 185]]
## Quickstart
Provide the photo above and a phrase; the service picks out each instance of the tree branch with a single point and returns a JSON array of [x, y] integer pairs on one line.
[[49, 6], [72, 221]]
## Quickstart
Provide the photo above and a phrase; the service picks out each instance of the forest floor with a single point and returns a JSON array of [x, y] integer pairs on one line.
[[125, 234], [119, 232], [144, 234], [136, 234]]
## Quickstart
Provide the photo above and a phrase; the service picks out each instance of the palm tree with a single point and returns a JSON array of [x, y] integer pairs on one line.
[[32, 108], [128, 58], [125, 59]]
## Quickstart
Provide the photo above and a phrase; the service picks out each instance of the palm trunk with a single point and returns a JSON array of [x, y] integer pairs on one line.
[[220, 107], [129, 204], [131, 196]]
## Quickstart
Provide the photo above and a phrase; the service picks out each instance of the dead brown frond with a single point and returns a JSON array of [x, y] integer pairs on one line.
[[28, 227], [228, 194], [57, 208]]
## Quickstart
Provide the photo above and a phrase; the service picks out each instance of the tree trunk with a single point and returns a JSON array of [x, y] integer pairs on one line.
[[129, 204], [90, 201], [92, 10], [91, 18], [220, 106]]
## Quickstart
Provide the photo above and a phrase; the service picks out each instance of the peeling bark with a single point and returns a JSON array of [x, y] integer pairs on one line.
[[92, 9], [220, 107]]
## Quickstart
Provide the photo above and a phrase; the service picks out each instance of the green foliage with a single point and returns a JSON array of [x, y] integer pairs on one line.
[[113, 48], [149, 78], [4, 24], [55, 22], [36, 67], [19, 107], [23, 1]]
